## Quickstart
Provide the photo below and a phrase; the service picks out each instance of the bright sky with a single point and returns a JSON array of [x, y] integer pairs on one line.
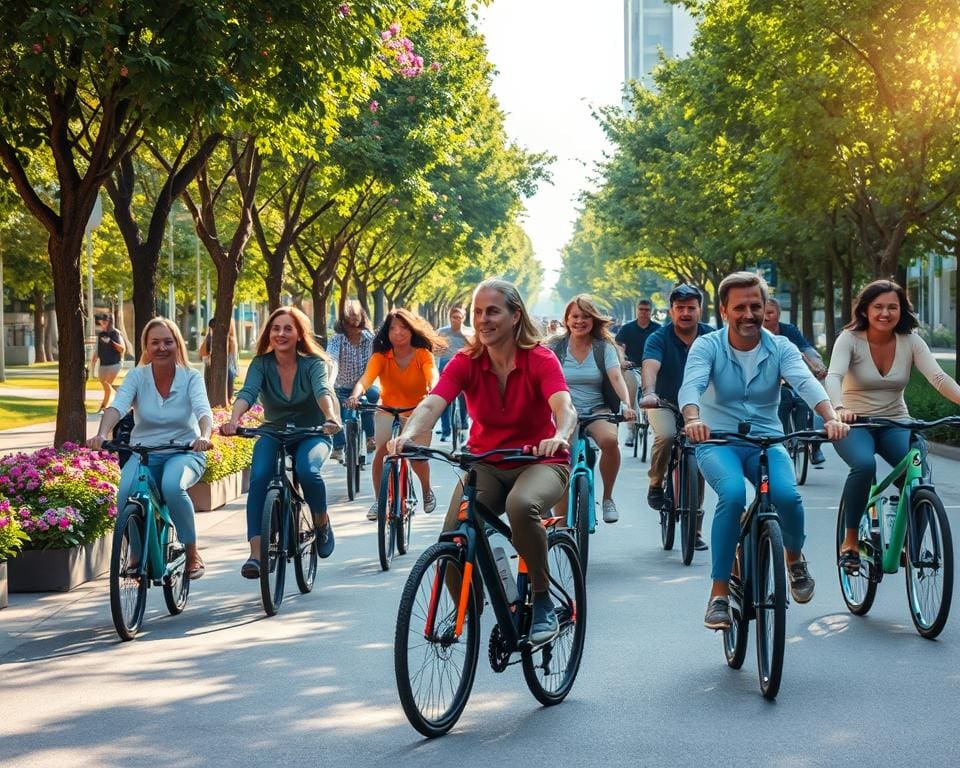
[[556, 60]]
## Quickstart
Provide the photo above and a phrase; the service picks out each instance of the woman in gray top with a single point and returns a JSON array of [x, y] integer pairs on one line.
[[587, 336]]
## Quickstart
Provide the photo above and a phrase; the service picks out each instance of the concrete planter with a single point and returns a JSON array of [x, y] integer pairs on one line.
[[3, 584], [58, 570], [209, 496]]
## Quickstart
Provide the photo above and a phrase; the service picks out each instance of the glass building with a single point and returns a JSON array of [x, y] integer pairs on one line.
[[648, 27]]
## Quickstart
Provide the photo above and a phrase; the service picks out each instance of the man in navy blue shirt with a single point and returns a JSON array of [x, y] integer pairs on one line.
[[664, 358], [631, 338]]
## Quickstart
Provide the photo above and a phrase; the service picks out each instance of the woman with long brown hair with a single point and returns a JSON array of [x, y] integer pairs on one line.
[[289, 376], [403, 361]]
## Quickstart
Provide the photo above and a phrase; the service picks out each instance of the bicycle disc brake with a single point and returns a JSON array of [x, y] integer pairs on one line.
[[497, 650]]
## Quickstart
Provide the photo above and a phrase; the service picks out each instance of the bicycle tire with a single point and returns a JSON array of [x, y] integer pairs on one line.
[[798, 449], [551, 670], [581, 519], [427, 662], [176, 586], [273, 561], [305, 555], [386, 503], [128, 597], [668, 513], [404, 523], [771, 611], [858, 591], [635, 434], [735, 638], [931, 564], [455, 424], [351, 459], [643, 438], [689, 506]]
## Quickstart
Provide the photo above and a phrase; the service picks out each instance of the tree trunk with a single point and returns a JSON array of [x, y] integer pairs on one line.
[[319, 293], [39, 318], [956, 303], [829, 312], [806, 305], [379, 306], [846, 287]]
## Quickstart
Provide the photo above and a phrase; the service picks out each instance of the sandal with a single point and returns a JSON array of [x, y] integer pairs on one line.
[[849, 560], [250, 569], [195, 568]]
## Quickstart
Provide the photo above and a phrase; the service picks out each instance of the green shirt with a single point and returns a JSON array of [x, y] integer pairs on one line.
[[301, 409]]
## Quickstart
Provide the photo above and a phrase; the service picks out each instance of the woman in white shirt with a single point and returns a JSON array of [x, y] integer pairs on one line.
[[869, 370], [169, 404]]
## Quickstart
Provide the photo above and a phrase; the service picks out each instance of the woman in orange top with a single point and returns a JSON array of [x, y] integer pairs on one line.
[[403, 361]]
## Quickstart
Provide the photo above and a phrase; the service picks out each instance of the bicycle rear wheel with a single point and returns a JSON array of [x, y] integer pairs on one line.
[[387, 509], [929, 555], [351, 458], [434, 666], [273, 561], [642, 438], [128, 587], [799, 450], [771, 609], [735, 638], [404, 523], [689, 507], [176, 584], [455, 424], [859, 590], [581, 519], [668, 513], [551, 669], [305, 555]]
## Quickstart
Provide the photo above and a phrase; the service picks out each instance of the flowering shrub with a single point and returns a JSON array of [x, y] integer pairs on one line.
[[12, 536], [230, 454], [59, 497], [408, 62]]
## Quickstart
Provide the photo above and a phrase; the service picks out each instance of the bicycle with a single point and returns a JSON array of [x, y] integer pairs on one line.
[[456, 419], [397, 499], [682, 492], [641, 427], [354, 451], [581, 498], [758, 584], [287, 530], [798, 418], [917, 536], [437, 642], [145, 549]]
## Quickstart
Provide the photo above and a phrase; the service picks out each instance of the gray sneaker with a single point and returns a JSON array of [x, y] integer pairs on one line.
[[610, 514], [545, 626], [718, 613], [373, 512], [802, 584]]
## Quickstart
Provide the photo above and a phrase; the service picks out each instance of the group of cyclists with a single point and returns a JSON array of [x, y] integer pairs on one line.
[[521, 389]]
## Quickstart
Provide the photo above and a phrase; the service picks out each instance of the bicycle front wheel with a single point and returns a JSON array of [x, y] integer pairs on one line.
[[351, 458], [689, 507], [434, 664], [798, 449], [668, 513], [455, 424], [551, 669], [273, 561], [735, 638], [305, 555], [771, 608], [581, 519], [929, 556], [176, 584], [642, 438], [858, 590], [128, 587], [404, 523], [387, 508]]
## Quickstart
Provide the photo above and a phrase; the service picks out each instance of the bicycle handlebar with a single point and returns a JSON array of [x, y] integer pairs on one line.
[[613, 418], [765, 441], [466, 460], [915, 425], [280, 433], [114, 445], [384, 408]]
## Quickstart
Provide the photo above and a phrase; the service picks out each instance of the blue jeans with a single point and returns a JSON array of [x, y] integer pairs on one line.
[[308, 457], [173, 474], [366, 418], [726, 468], [859, 449], [448, 411], [787, 401]]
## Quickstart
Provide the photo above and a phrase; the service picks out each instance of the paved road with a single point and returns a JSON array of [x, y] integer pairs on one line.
[[223, 685]]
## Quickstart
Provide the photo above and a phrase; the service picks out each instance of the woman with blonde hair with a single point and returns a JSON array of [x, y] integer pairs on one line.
[[289, 376], [591, 367], [169, 404]]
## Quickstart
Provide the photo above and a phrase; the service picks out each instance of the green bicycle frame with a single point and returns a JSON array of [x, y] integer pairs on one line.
[[910, 469], [147, 496]]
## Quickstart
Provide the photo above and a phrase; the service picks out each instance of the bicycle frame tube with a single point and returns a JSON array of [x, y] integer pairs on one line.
[[580, 468], [910, 468], [148, 497]]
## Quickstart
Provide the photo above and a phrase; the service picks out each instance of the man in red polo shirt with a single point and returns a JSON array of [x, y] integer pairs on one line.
[[516, 396]]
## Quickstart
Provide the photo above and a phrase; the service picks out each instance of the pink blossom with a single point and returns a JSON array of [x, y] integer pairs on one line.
[[394, 28], [435, 66], [374, 106], [64, 524], [386, 35], [343, 9]]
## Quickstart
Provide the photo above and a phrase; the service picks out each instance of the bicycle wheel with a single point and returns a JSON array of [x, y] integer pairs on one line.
[[387, 510], [735, 638], [351, 459], [305, 555], [434, 667], [581, 519], [176, 585], [689, 506], [551, 669], [668, 514], [929, 550], [799, 451], [858, 591], [404, 523], [273, 561], [128, 589], [772, 607], [455, 424], [642, 439]]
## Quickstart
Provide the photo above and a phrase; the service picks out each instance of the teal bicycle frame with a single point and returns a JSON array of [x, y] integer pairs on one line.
[[583, 458], [910, 469]]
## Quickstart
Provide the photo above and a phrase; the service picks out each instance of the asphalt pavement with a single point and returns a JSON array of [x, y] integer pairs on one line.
[[222, 684]]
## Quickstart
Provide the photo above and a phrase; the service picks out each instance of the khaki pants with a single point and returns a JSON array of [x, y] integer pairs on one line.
[[664, 425], [526, 493]]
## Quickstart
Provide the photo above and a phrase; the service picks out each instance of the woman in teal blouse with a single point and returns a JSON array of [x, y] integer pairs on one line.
[[289, 375]]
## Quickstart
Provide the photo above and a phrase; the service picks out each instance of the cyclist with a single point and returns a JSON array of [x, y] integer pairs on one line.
[[456, 337], [664, 360], [516, 396], [351, 348], [591, 367], [169, 404], [733, 376], [771, 321], [403, 362], [289, 376], [631, 338], [109, 351], [869, 370]]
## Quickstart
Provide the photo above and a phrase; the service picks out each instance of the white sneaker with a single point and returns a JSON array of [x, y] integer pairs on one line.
[[610, 514], [373, 513]]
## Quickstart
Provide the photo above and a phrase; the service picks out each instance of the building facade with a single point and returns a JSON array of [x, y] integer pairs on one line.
[[650, 26]]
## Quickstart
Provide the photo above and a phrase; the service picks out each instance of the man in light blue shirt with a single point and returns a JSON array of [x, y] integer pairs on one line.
[[733, 376]]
